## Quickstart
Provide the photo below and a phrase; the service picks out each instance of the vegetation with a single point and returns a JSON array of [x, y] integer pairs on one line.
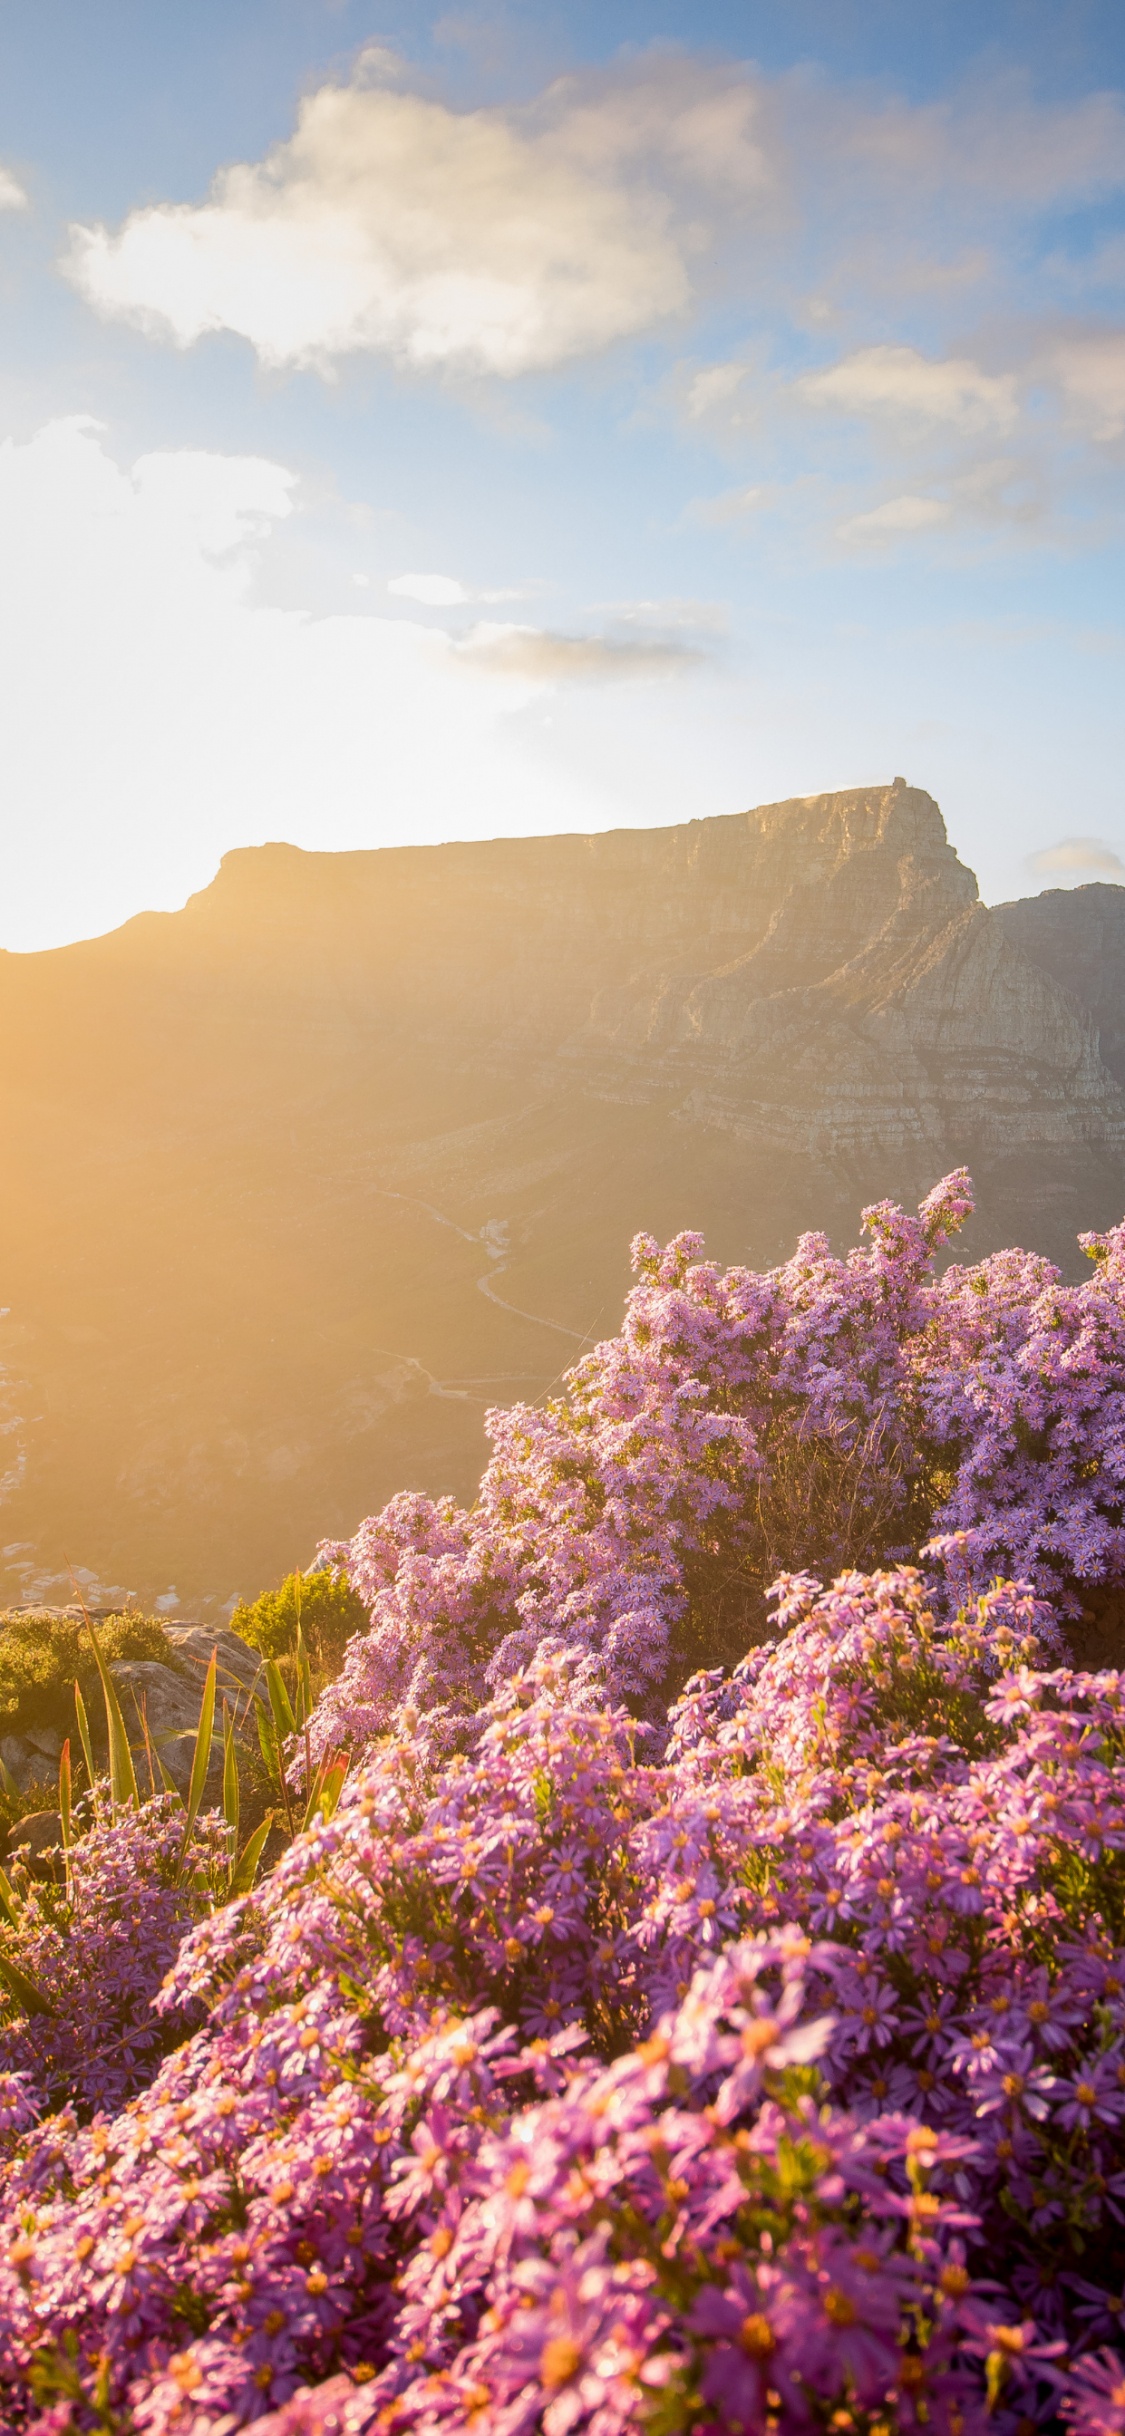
[[612, 2054], [43, 1654], [323, 1605]]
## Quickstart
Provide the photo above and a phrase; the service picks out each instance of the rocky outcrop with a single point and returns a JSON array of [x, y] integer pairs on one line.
[[160, 1705], [353, 1146], [1076, 936]]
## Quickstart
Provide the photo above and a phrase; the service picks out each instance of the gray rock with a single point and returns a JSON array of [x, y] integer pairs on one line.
[[37, 1839], [46, 1740], [240, 1673], [25, 1762], [168, 1703]]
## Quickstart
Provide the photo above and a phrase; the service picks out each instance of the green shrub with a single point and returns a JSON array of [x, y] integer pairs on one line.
[[42, 1655], [324, 1604]]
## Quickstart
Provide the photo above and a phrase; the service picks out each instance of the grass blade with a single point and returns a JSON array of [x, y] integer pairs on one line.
[[22, 1988], [243, 1876], [202, 1757], [328, 1784], [9, 1900], [84, 1737], [168, 1783], [280, 1703], [122, 1775], [65, 1796], [267, 1737], [8, 1783], [304, 1680], [230, 1779]]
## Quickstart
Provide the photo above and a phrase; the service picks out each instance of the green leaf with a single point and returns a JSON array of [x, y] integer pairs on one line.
[[283, 1717], [267, 1736], [64, 1796], [122, 1775], [334, 1784], [9, 1900], [327, 1786], [84, 1735], [230, 1777], [169, 1782], [22, 1988], [201, 1759], [244, 1874], [304, 1680], [8, 1783]]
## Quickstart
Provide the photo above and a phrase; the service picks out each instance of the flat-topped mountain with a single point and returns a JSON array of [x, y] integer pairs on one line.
[[301, 1178]]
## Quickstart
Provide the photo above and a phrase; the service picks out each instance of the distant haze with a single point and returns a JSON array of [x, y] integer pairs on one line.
[[303, 1178]]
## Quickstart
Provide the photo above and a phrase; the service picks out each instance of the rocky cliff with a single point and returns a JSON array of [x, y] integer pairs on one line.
[[1077, 937], [301, 1179]]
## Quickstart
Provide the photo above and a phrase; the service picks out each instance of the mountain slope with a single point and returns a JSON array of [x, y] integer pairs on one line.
[[303, 1177], [1077, 937]]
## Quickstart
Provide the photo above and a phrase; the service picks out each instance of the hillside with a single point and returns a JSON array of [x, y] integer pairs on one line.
[[303, 1177]]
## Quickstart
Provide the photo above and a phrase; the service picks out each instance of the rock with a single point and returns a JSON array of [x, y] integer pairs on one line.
[[239, 1673], [1077, 936], [45, 1740], [25, 1762], [160, 1697], [37, 1839]]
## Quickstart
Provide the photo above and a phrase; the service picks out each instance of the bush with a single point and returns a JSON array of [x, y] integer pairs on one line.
[[43, 1654], [754, 2064], [777, 2087], [827, 1414], [328, 1610], [82, 1956]]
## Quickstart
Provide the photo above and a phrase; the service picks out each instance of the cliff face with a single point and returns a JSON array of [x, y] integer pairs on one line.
[[1077, 937], [302, 1178]]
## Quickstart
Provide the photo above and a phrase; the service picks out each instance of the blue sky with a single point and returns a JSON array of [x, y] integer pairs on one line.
[[425, 424]]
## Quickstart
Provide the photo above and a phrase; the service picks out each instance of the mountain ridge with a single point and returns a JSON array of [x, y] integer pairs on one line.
[[313, 1170]]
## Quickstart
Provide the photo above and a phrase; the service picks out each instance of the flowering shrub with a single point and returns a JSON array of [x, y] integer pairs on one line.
[[753, 2062], [822, 1414], [81, 1958], [544, 2085]]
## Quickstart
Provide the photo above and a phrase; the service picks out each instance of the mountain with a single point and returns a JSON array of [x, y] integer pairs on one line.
[[302, 1178], [1077, 935]]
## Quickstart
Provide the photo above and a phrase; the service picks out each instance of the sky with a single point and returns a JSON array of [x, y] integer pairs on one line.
[[423, 424]]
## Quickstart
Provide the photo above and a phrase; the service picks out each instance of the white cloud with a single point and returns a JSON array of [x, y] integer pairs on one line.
[[446, 592], [437, 591], [728, 507], [12, 195], [530, 651], [714, 386], [899, 382], [156, 713], [483, 240], [673, 616], [896, 519], [1077, 858], [1090, 371]]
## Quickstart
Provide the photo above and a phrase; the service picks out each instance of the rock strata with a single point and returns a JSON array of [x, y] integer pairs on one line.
[[1077, 937]]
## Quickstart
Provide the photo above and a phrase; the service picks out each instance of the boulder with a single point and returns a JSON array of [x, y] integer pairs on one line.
[[240, 1672], [37, 1840], [26, 1761], [168, 1703]]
